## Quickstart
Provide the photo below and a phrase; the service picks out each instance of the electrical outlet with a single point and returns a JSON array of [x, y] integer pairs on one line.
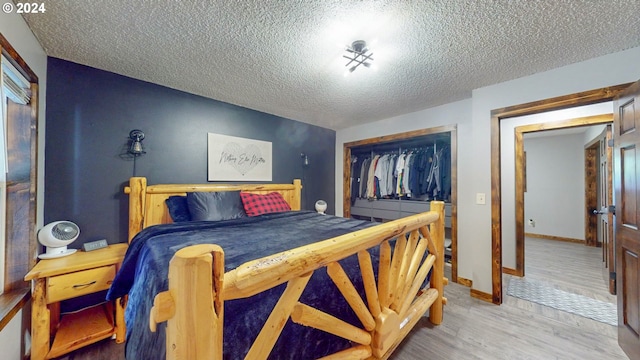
[[532, 223], [481, 199]]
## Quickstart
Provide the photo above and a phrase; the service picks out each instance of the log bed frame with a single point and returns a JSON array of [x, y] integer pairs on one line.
[[199, 286]]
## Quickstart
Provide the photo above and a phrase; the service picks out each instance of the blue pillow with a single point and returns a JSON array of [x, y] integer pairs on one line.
[[215, 206], [178, 208]]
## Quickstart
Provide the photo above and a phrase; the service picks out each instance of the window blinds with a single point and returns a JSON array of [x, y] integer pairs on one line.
[[14, 85]]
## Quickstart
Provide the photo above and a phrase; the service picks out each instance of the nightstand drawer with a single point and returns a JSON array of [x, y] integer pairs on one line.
[[79, 283]]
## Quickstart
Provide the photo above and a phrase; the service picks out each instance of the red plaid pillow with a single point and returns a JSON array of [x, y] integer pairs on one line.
[[255, 204]]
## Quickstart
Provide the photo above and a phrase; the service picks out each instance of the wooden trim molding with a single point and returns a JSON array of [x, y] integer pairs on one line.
[[346, 181], [11, 302], [520, 186], [566, 124], [465, 282], [454, 204], [510, 271], [591, 172], [561, 102], [496, 212], [497, 115], [401, 136], [554, 238], [481, 295]]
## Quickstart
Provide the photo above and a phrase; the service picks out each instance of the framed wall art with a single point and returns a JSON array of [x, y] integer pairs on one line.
[[233, 158]]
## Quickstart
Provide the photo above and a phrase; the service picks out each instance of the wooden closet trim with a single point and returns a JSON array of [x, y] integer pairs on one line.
[[346, 177], [557, 103]]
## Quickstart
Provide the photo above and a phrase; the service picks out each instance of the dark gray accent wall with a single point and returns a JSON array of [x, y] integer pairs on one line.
[[90, 113]]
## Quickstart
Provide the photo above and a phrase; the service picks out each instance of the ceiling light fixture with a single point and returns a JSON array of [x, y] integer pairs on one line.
[[358, 54]]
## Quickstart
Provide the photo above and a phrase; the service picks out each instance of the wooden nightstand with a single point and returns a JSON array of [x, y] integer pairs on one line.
[[68, 277]]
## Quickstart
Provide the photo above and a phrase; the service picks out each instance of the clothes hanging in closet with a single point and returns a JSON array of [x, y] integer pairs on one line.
[[419, 173]]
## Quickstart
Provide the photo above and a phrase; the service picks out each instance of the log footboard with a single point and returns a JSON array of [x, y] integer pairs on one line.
[[395, 299]]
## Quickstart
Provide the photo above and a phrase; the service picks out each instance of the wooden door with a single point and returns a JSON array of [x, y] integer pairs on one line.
[[627, 231], [605, 198]]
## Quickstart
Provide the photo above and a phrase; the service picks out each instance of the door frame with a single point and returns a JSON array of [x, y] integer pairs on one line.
[[600, 147], [520, 173], [557, 103], [592, 190]]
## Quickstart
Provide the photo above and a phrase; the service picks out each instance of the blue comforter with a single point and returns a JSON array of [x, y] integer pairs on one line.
[[144, 274]]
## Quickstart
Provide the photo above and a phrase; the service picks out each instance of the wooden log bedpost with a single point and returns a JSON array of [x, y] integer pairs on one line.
[[194, 321], [437, 278], [296, 201], [137, 191]]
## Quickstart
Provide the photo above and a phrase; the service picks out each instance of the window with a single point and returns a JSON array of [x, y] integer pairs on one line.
[[14, 90], [18, 158]]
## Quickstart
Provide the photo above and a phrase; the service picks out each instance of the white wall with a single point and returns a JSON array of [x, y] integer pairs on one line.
[[15, 30], [474, 146], [555, 186], [10, 338], [593, 132], [507, 163]]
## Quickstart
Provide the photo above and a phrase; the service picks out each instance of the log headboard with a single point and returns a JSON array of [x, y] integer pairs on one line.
[[147, 202]]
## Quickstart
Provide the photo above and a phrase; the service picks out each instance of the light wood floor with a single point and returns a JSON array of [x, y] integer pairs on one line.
[[518, 329]]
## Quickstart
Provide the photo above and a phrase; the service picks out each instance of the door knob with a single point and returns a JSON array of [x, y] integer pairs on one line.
[[604, 210]]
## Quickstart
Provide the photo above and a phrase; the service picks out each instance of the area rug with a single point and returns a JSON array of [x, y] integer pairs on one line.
[[546, 295]]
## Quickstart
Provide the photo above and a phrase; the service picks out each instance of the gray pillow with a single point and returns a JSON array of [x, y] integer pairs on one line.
[[215, 206]]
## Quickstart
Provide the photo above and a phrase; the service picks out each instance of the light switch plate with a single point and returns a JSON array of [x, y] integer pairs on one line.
[[95, 245], [481, 199]]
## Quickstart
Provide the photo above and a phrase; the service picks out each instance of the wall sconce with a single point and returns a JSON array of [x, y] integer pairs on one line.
[[305, 159], [136, 148]]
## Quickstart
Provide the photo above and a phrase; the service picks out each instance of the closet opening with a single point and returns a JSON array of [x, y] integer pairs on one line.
[[394, 176]]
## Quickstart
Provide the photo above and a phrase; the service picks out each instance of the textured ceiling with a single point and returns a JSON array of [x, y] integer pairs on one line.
[[285, 57]]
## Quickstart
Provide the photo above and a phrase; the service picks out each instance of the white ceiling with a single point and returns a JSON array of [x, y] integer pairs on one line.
[[285, 57]]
